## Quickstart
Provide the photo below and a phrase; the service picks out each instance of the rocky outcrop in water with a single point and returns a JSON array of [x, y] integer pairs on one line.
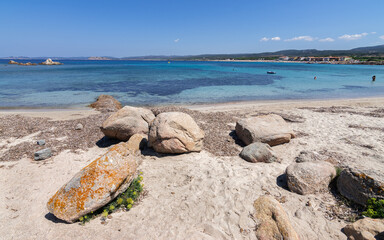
[[50, 62]]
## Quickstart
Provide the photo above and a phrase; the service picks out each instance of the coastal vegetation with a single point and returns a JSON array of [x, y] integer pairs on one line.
[[125, 200]]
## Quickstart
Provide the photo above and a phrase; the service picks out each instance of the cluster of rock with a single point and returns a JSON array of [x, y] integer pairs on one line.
[[111, 174], [46, 62], [175, 133], [260, 134]]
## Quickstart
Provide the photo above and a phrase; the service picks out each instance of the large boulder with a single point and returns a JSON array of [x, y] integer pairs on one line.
[[258, 152], [365, 229], [309, 177], [95, 185], [12, 62], [175, 132], [127, 122], [358, 186], [272, 221], [270, 129], [106, 103]]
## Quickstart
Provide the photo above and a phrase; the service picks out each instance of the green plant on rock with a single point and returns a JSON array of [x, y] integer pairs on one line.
[[124, 200], [375, 208]]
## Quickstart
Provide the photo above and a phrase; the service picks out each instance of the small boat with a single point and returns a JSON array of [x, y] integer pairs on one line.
[[271, 72]]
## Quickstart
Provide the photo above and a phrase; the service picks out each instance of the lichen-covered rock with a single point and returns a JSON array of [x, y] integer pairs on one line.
[[272, 221], [270, 129], [127, 122], [358, 186], [258, 152], [95, 185], [175, 132], [309, 177], [106, 103], [365, 229]]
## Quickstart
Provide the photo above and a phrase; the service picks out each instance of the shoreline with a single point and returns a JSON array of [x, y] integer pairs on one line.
[[80, 112]]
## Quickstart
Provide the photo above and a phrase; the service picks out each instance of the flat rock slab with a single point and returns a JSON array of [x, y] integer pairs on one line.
[[365, 229], [175, 132], [358, 186], [270, 129], [95, 185], [272, 221], [127, 122], [259, 152], [309, 177]]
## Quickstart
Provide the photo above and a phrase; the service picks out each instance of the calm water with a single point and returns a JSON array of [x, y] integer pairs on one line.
[[152, 83]]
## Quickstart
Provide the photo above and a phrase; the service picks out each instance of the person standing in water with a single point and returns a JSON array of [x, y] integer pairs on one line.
[[373, 78]]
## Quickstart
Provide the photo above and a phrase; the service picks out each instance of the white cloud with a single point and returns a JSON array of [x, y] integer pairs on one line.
[[176, 40], [301, 38], [264, 39], [275, 39], [328, 39], [353, 36], [373, 32], [382, 37]]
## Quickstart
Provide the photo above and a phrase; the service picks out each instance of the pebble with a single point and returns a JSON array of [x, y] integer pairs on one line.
[[43, 154], [41, 142], [79, 126]]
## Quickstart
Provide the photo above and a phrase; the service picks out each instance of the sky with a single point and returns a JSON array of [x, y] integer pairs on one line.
[[122, 28]]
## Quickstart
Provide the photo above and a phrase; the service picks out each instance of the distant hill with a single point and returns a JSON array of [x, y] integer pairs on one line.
[[361, 52]]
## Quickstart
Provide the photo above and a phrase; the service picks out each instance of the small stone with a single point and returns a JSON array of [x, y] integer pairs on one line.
[[43, 154], [41, 142], [79, 126], [258, 152]]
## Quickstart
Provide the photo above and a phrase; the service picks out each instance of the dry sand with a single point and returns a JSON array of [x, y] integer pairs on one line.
[[207, 195]]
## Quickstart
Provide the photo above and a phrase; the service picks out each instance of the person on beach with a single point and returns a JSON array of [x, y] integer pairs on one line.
[[373, 78]]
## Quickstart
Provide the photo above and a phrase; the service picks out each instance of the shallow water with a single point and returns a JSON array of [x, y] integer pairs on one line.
[[78, 83]]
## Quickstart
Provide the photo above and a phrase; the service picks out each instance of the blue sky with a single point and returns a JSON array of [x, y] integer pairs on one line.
[[154, 27]]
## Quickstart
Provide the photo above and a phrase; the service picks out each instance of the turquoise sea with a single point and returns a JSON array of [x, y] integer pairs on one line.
[[78, 83]]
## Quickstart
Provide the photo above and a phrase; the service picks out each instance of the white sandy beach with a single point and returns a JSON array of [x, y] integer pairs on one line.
[[198, 195]]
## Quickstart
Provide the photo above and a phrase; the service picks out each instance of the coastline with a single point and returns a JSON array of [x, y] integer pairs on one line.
[[84, 111]]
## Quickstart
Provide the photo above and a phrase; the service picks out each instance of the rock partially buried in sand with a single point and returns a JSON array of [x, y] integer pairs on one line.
[[270, 129], [365, 229], [79, 126], [106, 103], [358, 186], [95, 185], [43, 154], [127, 122], [272, 221], [50, 62], [137, 142], [40, 142], [309, 177], [258, 152], [175, 132]]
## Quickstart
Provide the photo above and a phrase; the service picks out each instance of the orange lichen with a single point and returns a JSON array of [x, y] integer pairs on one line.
[[95, 181]]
